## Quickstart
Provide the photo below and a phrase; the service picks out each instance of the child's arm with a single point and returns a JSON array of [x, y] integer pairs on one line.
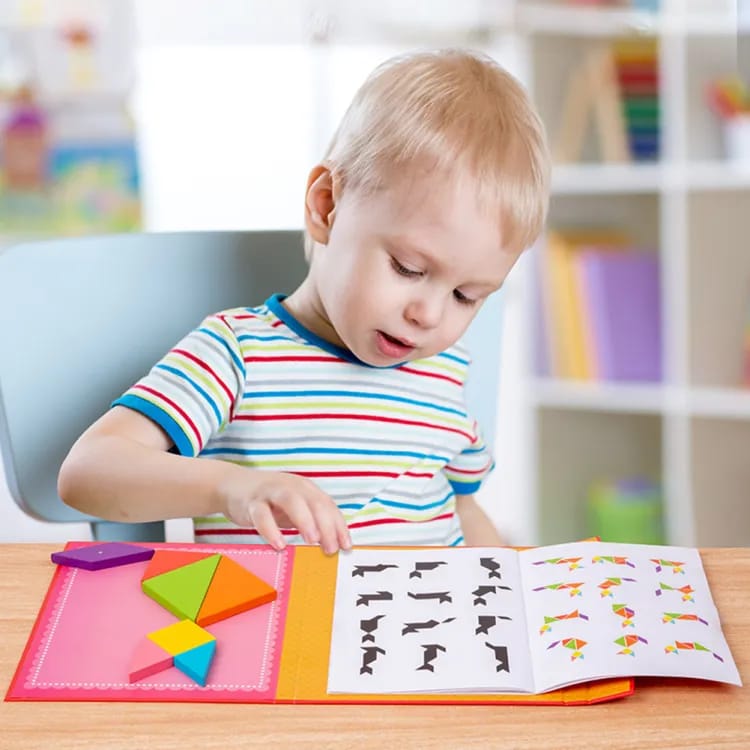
[[477, 528], [120, 469]]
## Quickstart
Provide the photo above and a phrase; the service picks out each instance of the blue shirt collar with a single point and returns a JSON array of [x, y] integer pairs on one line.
[[273, 303]]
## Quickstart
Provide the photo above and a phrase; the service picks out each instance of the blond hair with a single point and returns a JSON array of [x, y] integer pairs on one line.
[[441, 110]]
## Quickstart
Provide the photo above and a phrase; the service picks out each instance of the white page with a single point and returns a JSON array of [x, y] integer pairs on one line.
[[401, 641], [671, 627]]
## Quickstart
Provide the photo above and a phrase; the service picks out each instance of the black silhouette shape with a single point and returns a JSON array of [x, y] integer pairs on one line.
[[492, 565], [420, 567], [380, 596], [369, 655], [360, 570], [415, 627], [441, 596], [481, 591], [485, 622], [501, 654], [429, 655], [368, 627]]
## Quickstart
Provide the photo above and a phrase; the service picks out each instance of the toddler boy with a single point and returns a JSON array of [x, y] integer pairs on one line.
[[336, 415]]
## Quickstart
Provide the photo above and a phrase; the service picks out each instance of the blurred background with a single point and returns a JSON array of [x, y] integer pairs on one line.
[[622, 407]]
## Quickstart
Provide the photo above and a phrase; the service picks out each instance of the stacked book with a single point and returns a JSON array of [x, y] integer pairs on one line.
[[637, 64], [599, 308], [613, 89]]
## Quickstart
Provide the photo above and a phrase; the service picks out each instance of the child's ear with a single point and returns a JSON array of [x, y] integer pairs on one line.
[[320, 203]]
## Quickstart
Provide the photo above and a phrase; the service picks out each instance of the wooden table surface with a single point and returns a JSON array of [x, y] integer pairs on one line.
[[661, 714]]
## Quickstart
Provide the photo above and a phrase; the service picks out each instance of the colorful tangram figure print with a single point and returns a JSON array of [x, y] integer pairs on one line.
[[627, 614], [573, 563], [686, 591], [574, 644], [199, 589], [548, 621], [627, 642], [677, 567], [574, 588], [677, 646], [608, 584], [673, 617], [614, 559]]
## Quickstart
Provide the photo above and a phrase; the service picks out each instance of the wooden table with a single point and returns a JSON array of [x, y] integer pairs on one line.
[[661, 714]]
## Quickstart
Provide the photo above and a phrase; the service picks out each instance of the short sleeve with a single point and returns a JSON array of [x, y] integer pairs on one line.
[[468, 469], [193, 391]]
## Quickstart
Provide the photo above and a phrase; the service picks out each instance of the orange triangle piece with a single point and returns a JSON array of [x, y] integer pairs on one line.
[[233, 589], [165, 560]]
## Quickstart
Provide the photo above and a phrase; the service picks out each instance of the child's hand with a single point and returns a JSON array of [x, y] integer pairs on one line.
[[270, 500]]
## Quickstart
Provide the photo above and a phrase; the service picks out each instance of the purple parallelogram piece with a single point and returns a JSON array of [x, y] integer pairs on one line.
[[105, 555]]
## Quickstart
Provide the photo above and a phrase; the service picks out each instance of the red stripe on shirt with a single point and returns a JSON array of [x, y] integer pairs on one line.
[[270, 417], [198, 361], [431, 375], [293, 359], [468, 471], [177, 408], [348, 473]]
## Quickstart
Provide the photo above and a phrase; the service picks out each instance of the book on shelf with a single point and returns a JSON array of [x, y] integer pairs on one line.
[[615, 87], [530, 621], [621, 300], [599, 307]]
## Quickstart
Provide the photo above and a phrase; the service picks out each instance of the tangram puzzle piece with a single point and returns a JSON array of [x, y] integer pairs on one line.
[[183, 644], [233, 589], [196, 662], [182, 590], [180, 637], [148, 659], [165, 560], [105, 555], [201, 589]]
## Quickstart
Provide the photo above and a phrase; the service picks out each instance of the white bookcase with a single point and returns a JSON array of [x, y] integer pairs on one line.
[[692, 431]]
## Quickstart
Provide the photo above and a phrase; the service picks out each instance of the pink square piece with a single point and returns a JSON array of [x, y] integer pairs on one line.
[[105, 555]]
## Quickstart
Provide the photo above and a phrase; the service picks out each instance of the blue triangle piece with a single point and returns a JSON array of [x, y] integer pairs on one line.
[[196, 662]]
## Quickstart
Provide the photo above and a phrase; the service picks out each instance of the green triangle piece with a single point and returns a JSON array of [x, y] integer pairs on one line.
[[182, 590], [196, 662]]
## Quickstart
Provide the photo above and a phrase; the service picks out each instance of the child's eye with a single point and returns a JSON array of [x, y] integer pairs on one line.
[[403, 270], [462, 298]]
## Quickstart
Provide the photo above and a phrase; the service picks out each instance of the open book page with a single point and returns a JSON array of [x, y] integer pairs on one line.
[[429, 620], [598, 609]]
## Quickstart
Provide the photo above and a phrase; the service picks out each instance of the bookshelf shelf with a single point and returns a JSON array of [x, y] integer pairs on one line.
[[691, 206], [719, 403], [606, 397], [547, 18], [579, 179], [717, 174]]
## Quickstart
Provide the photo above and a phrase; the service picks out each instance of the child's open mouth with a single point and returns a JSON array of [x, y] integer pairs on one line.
[[393, 347]]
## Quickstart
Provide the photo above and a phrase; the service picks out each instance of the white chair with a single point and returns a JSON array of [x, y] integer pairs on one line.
[[81, 319]]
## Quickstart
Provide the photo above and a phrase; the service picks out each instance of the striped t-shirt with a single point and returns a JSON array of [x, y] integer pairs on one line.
[[391, 445]]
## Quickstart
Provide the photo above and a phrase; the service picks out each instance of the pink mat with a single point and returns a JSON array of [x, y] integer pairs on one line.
[[91, 622]]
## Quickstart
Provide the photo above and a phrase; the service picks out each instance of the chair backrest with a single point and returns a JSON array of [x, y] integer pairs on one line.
[[81, 319]]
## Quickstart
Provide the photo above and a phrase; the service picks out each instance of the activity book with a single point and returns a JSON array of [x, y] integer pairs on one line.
[[567, 624]]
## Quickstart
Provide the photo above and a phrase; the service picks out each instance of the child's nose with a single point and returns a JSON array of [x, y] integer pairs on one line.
[[425, 311]]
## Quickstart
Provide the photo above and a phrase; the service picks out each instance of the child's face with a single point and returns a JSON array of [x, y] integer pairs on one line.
[[405, 271]]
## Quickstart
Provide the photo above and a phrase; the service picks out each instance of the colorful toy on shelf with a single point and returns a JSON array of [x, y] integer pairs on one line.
[[629, 510]]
